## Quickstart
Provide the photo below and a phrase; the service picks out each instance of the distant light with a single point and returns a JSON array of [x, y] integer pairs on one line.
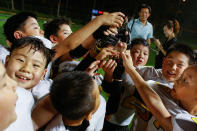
[[184, 0], [94, 11], [100, 12]]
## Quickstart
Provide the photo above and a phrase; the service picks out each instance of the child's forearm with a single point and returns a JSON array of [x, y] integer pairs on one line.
[[82, 34]]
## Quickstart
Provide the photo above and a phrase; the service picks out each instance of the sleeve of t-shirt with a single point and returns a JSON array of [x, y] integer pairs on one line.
[[150, 35], [147, 72], [184, 122]]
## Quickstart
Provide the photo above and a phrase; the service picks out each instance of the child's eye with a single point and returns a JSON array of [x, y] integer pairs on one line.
[[20, 60], [35, 65], [180, 65], [185, 80]]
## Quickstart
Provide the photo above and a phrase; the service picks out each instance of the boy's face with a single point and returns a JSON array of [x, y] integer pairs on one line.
[[8, 99], [185, 89], [63, 32], [173, 65], [32, 28], [139, 54], [144, 14], [26, 66]]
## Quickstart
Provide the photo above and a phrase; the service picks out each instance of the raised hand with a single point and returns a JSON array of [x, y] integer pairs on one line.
[[108, 67], [106, 52], [113, 19], [92, 68], [127, 60]]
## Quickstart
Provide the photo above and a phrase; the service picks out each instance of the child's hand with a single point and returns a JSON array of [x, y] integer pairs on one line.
[[106, 52], [92, 68], [113, 19], [121, 46], [109, 67], [111, 31], [127, 60]]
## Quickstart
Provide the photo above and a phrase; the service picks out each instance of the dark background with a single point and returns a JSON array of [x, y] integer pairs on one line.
[[80, 11]]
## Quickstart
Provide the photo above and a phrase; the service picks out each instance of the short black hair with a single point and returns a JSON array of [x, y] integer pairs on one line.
[[182, 48], [139, 41], [53, 26], [71, 94], [144, 6], [14, 23], [36, 44]]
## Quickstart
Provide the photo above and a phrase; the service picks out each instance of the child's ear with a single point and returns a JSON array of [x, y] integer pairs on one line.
[[44, 72], [53, 39], [18, 34], [6, 60], [89, 116]]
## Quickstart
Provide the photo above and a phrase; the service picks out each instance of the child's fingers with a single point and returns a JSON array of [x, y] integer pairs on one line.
[[102, 64], [93, 64], [112, 64], [108, 63]]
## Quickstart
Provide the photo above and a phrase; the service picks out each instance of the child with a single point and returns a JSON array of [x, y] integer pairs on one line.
[[30, 58], [177, 59], [57, 30], [20, 25], [81, 94], [118, 117], [8, 99], [162, 101]]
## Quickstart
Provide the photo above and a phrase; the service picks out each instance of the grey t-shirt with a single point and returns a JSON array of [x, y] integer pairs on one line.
[[181, 119], [130, 104]]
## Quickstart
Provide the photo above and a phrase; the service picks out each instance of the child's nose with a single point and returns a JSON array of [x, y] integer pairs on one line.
[[26, 68]]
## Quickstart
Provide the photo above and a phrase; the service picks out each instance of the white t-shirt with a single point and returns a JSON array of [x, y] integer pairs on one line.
[[96, 122], [181, 119], [23, 109], [3, 53], [124, 115], [41, 89]]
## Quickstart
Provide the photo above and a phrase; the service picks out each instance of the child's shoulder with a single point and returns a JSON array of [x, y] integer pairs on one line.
[[184, 121]]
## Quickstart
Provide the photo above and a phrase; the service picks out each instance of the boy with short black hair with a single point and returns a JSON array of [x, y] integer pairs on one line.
[[20, 25], [57, 29], [27, 64], [81, 94]]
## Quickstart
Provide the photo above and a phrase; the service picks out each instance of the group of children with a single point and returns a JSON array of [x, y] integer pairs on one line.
[[70, 99]]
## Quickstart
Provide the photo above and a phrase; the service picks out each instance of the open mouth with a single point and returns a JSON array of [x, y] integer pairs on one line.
[[171, 73], [23, 78], [140, 61]]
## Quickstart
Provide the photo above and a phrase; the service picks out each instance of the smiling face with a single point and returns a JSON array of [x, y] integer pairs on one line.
[[173, 65], [29, 66], [8, 99], [144, 14], [185, 89], [139, 54]]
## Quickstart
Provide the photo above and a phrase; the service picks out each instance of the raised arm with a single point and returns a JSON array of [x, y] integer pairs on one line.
[[112, 19], [149, 96]]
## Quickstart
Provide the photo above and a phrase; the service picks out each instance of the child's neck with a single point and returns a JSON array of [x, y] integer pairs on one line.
[[191, 108], [72, 122]]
